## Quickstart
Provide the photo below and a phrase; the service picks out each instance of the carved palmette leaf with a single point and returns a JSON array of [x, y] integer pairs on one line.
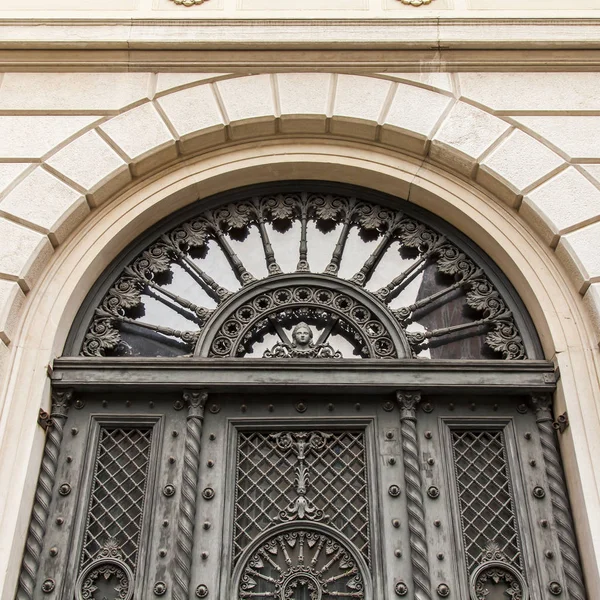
[[505, 339]]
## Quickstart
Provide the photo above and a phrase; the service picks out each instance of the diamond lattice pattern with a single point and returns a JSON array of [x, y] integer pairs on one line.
[[337, 477], [485, 495], [118, 493]]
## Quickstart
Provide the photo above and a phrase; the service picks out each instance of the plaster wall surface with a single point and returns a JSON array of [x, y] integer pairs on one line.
[[80, 140]]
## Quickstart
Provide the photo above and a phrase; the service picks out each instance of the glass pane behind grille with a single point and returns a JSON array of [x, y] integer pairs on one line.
[[118, 493], [267, 485], [485, 495]]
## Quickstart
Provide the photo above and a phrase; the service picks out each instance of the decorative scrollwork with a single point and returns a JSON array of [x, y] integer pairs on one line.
[[302, 346], [108, 574], [299, 560], [452, 277]]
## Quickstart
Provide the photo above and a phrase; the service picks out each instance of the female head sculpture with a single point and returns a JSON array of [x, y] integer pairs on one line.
[[302, 336]]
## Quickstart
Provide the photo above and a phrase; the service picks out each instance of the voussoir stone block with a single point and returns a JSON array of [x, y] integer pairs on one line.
[[31, 137], [463, 137], [565, 202], [195, 115], [9, 172], [47, 203], [143, 137], [11, 302], [578, 251], [172, 81], [303, 101], [577, 136], [249, 105], [359, 103], [413, 114], [592, 302], [72, 91], [93, 165], [516, 165], [23, 253]]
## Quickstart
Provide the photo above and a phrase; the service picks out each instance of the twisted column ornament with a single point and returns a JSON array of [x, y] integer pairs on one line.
[[542, 404], [61, 400], [408, 402], [186, 518]]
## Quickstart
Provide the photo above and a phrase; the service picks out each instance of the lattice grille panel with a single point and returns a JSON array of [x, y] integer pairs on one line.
[[485, 495], [267, 486], [118, 493]]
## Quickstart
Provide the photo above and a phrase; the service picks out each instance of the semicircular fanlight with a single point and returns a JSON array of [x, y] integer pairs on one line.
[[321, 276]]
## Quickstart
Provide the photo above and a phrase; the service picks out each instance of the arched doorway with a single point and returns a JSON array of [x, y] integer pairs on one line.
[[382, 403]]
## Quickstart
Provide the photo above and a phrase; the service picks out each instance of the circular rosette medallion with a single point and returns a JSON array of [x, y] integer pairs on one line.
[[106, 578], [302, 564]]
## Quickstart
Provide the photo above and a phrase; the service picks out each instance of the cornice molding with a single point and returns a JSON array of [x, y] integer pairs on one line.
[[458, 44]]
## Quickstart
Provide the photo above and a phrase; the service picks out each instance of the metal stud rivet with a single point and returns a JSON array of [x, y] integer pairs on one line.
[[549, 554], [401, 589], [204, 555], [201, 591], [395, 523], [532, 462], [300, 407], [79, 404], [394, 491], [472, 406], [398, 553], [48, 586], [169, 490], [53, 551], [451, 406], [212, 437], [206, 525], [544, 523], [389, 435], [208, 493], [151, 404], [74, 431], [357, 406], [270, 408], [214, 408], [60, 521], [69, 459], [539, 492], [427, 407], [440, 556], [178, 404], [160, 587], [104, 403], [443, 590], [433, 492], [162, 552], [555, 588], [171, 460], [388, 406], [210, 464], [127, 403], [392, 461], [330, 407], [522, 408], [528, 435], [428, 435], [64, 489], [165, 523], [243, 408], [430, 461], [174, 434], [495, 407], [437, 523]]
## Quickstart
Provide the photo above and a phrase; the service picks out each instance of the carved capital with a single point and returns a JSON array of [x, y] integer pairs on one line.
[[61, 402], [196, 401], [407, 403], [542, 406]]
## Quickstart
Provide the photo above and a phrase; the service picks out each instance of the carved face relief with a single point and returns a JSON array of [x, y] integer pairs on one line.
[[302, 335]]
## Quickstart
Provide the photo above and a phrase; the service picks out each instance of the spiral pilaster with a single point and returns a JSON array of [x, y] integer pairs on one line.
[[407, 403], [61, 401], [195, 401], [575, 587]]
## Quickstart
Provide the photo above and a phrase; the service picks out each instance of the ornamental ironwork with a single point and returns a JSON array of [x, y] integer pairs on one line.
[[302, 564], [485, 497], [372, 281], [314, 476]]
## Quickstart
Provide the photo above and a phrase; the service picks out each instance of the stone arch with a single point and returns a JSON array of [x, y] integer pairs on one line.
[[62, 249]]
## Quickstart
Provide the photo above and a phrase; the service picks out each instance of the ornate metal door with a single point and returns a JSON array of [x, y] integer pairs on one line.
[[360, 412]]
